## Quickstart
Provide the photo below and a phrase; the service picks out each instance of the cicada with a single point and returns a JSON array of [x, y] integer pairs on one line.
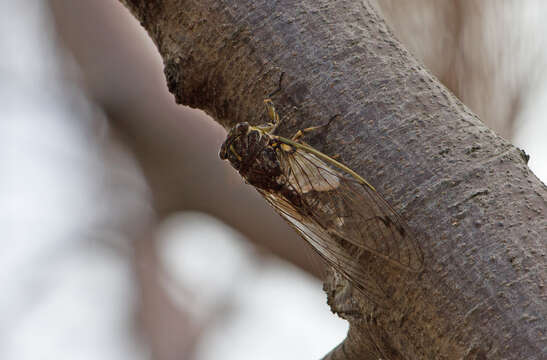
[[332, 207]]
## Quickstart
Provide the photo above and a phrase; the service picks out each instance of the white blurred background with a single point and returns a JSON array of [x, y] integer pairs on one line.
[[125, 237]]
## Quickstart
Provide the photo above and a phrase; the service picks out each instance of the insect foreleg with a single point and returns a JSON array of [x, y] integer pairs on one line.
[[274, 116]]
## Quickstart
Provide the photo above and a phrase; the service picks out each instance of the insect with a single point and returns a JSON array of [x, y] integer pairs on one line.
[[332, 207]]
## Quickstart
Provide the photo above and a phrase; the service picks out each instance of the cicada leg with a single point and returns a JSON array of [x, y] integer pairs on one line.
[[301, 132], [274, 116]]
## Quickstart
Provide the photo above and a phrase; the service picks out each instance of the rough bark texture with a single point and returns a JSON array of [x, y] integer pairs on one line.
[[478, 211]]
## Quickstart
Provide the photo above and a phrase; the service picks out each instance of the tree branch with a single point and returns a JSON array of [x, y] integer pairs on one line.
[[477, 210]]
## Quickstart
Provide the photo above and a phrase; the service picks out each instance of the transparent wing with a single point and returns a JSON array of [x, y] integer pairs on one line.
[[350, 209], [329, 248]]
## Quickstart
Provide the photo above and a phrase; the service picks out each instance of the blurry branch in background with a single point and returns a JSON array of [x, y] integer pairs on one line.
[[177, 150], [481, 273], [467, 46], [172, 143]]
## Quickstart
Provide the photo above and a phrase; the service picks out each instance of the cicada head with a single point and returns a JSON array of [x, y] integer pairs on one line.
[[249, 150], [235, 147]]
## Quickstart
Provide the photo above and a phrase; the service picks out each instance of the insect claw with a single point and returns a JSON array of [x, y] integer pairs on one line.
[[330, 120], [278, 86]]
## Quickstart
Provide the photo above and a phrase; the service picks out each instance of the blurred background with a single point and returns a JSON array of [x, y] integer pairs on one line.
[[125, 237]]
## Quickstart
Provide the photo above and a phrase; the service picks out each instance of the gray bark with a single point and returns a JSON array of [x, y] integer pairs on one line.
[[477, 210]]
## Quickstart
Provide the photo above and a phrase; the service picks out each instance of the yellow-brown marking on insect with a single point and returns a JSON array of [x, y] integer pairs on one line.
[[286, 147], [235, 153]]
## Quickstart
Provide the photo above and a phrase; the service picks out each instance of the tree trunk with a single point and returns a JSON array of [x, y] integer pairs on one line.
[[475, 207]]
